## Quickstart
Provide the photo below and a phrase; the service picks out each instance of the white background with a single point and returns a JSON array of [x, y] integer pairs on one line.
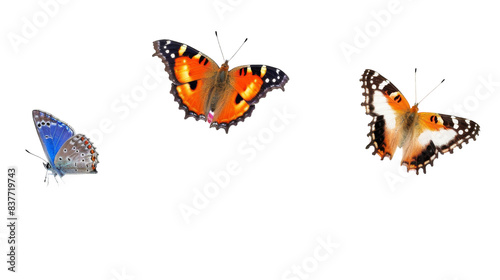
[[312, 179]]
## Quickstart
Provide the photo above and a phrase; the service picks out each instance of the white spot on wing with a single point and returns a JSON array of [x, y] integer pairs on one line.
[[439, 137], [455, 122], [383, 84], [381, 107]]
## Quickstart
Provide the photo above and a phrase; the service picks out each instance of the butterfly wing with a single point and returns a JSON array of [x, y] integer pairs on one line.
[[190, 72], [435, 133], [77, 155], [247, 85], [53, 133], [386, 104]]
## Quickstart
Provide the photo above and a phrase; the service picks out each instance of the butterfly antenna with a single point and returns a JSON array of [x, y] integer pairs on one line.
[[430, 92], [35, 155], [238, 49], [219, 46], [415, 84]]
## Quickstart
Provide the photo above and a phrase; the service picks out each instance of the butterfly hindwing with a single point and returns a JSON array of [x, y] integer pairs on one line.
[[191, 98], [437, 133], [385, 103], [231, 110], [53, 133], [77, 155]]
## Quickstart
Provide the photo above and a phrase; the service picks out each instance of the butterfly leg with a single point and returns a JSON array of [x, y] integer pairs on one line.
[[46, 177]]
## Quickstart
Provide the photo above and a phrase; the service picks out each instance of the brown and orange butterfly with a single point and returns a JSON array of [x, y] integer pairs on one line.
[[212, 93], [395, 124]]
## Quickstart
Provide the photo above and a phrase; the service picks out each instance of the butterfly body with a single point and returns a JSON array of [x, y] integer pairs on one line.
[[422, 136], [412, 125], [216, 94], [216, 88], [66, 152]]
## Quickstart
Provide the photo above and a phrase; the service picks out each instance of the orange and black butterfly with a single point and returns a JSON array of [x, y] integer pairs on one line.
[[395, 124], [216, 94]]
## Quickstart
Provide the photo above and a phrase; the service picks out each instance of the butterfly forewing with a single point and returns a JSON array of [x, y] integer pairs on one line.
[[184, 63], [52, 132]]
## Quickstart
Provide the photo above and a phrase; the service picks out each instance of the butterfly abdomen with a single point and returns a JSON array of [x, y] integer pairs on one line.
[[409, 121]]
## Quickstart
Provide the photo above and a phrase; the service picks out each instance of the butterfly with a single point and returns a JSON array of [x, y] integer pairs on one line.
[[208, 92], [395, 124], [66, 152]]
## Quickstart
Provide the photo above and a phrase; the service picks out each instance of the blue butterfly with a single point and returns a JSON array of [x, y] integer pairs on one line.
[[66, 152]]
